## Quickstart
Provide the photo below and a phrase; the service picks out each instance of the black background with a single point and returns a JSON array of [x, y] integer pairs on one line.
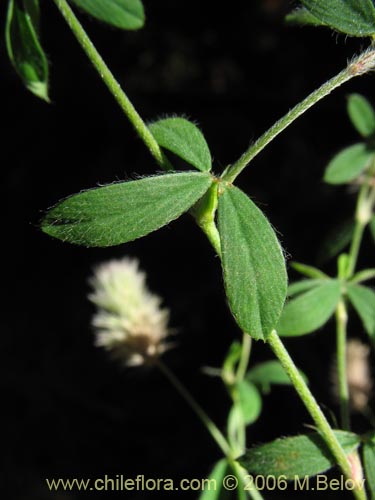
[[67, 410]]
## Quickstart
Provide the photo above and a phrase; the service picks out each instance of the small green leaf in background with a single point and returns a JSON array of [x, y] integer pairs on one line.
[[361, 114], [123, 14], [269, 373], [219, 471], [353, 17], [184, 139], [253, 264], [122, 212], [369, 464], [363, 301], [250, 401], [303, 17], [338, 239], [348, 164], [365, 275], [23, 46], [303, 286], [309, 271], [305, 455], [309, 311]]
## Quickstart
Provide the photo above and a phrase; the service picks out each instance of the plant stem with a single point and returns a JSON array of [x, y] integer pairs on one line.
[[360, 65], [212, 428], [245, 356], [114, 87], [341, 323], [314, 409]]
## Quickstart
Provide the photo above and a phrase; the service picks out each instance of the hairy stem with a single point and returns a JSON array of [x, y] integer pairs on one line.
[[341, 323], [313, 408], [113, 85], [360, 65]]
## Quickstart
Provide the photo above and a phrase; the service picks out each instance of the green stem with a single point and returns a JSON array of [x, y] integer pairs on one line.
[[212, 428], [341, 323], [362, 64], [245, 356], [202, 415], [114, 87], [314, 409]]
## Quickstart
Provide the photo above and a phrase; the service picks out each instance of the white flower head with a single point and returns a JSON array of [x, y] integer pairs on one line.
[[130, 322]]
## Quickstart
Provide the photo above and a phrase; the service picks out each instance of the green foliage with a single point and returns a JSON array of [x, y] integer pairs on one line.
[[184, 139], [361, 114], [303, 17], [23, 46], [219, 471], [296, 456], [310, 310], [123, 14], [122, 212], [369, 464], [348, 164], [250, 401], [353, 17], [363, 301], [338, 239], [302, 286], [269, 373], [309, 271], [365, 275], [253, 264]]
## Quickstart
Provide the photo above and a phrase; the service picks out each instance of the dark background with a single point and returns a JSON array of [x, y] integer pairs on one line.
[[67, 410]]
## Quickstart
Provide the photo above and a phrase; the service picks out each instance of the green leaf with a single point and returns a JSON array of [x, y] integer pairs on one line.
[[309, 311], [123, 14], [214, 489], [369, 464], [253, 264], [348, 164], [305, 455], [353, 17], [338, 239], [303, 17], [365, 275], [309, 271], [362, 114], [184, 139], [268, 373], [302, 286], [23, 46], [122, 212], [363, 301], [250, 401]]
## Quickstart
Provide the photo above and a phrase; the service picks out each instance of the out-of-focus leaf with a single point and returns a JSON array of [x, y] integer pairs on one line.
[[214, 489], [363, 301], [123, 14], [369, 463], [23, 46], [125, 211], [309, 271], [337, 240], [302, 286], [348, 164], [184, 139], [250, 401], [361, 114], [365, 275], [353, 17], [269, 373], [309, 311], [305, 455], [253, 264]]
